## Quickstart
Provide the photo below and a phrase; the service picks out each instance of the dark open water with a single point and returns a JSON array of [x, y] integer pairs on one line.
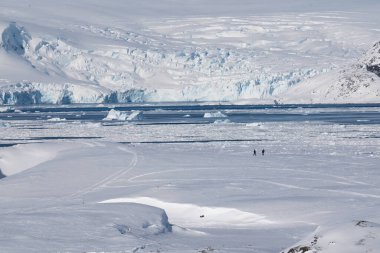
[[175, 113]]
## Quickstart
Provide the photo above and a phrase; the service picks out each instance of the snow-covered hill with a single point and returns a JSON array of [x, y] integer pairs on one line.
[[95, 51], [356, 83]]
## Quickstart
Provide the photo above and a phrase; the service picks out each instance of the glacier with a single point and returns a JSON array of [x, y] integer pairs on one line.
[[209, 56]]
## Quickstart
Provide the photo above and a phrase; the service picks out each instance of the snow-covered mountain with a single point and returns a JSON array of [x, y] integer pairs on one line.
[[99, 52], [356, 83]]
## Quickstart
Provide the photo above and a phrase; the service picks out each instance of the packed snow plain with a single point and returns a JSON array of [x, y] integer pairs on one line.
[[152, 184]]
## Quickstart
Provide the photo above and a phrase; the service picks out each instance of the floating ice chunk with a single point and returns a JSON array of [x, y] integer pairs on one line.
[[135, 115], [214, 115], [187, 116], [56, 119], [115, 115]]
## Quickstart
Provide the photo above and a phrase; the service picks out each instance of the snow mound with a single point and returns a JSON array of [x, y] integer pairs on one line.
[[115, 115], [135, 115], [214, 115], [15, 39], [191, 215], [359, 236], [22, 157]]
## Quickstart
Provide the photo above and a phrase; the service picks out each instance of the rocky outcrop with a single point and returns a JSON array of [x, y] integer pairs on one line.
[[15, 39], [371, 61], [1, 174]]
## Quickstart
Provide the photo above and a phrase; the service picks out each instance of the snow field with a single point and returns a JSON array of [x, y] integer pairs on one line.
[[317, 180]]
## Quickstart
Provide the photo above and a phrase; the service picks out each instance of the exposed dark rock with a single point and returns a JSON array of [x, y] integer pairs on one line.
[[303, 248], [371, 60], [1, 174], [15, 39], [374, 69], [299, 249], [365, 224]]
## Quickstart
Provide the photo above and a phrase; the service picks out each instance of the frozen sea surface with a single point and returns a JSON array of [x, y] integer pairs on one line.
[[174, 181]]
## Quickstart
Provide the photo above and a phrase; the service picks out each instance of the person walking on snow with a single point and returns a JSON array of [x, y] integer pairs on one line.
[[254, 152], [263, 151]]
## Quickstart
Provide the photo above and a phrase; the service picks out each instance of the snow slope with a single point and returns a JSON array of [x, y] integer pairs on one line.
[[97, 52], [355, 83]]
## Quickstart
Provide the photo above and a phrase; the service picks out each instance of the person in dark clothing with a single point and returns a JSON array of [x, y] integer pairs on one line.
[[254, 152], [263, 151]]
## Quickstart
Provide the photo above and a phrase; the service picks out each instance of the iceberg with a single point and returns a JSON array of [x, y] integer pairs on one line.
[[116, 115], [135, 115]]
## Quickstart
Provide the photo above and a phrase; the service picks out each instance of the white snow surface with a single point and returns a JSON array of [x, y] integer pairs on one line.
[[182, 213], [126, 51], [316, 188], [355, 83]]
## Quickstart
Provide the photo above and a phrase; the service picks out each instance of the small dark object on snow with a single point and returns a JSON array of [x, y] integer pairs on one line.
[[202, 216], [263, 151], [254, 152]]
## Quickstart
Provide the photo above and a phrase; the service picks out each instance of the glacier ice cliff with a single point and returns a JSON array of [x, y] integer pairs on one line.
[[210, 60]]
